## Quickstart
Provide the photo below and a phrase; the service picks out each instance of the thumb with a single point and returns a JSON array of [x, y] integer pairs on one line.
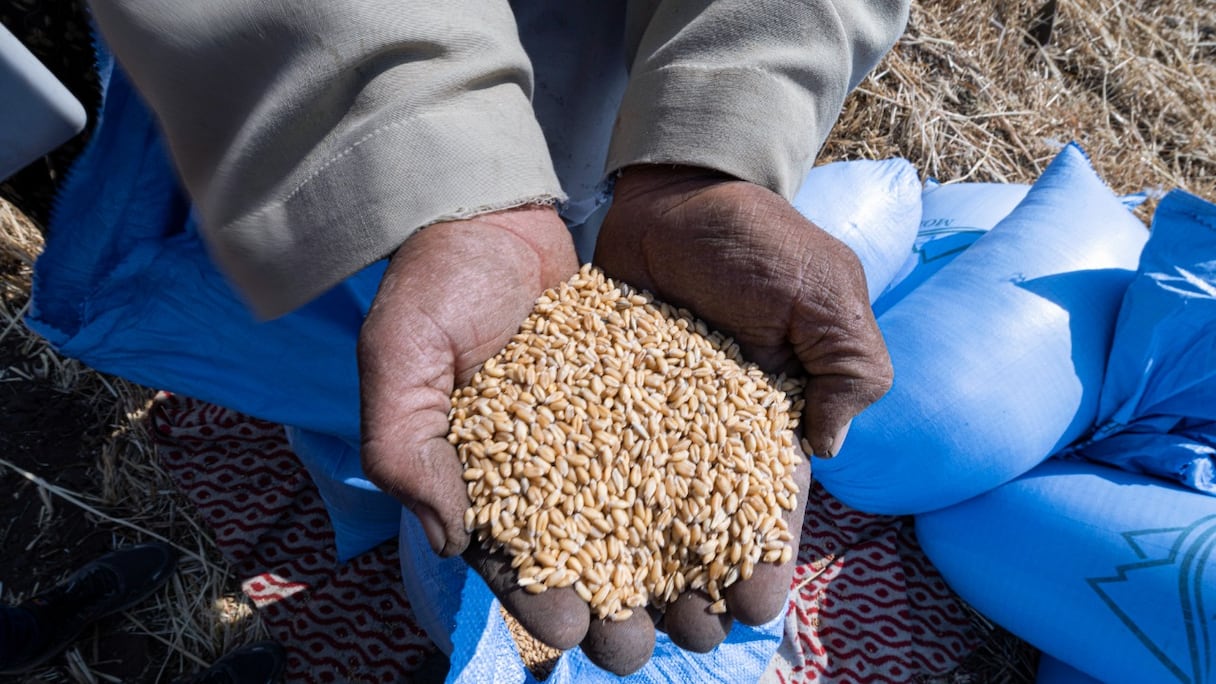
[[406, 375], [828, 416], [426, 478], [406, 453]]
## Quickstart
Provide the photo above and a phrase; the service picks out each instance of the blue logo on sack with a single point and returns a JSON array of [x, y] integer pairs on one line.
[[1186, 564]]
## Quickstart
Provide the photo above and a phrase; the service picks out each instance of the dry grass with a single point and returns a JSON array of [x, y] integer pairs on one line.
[[203, 612], [975, 91], [969, 94]]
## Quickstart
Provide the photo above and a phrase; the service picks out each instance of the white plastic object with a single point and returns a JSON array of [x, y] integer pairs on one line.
[[37, 113]]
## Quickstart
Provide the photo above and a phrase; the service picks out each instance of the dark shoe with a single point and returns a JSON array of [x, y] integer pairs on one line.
[[113, 582], [258, 663]]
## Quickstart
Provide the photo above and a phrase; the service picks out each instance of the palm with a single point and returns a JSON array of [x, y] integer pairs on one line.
[[451, 298]]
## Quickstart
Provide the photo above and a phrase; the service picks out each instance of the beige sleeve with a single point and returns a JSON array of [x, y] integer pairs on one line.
[[747, 87], [314, 136]]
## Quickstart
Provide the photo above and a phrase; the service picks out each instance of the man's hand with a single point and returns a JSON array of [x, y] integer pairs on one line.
[[452, 296], [793, 297]]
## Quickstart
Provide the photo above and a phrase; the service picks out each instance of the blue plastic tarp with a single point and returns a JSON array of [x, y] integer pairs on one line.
[[1157, 412]]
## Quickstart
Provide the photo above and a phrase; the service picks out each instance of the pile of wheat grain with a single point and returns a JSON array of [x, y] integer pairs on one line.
[[618, 446]]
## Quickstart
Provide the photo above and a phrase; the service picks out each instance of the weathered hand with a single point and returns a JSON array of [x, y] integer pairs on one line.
[[792, 296], [452, 296]]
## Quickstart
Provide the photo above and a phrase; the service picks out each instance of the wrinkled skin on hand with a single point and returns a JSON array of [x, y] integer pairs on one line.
[[452, 296], [794, 298]]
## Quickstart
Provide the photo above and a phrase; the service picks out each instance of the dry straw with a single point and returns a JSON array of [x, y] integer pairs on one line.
[[202, 612], [618, 446], [990, 91]]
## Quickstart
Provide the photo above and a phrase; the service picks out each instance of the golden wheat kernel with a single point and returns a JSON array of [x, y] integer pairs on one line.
[[483, 517], [613, 546], [601, 596], [558, 577], [614, 604], [684, 468], [521, 561], [787, 553], [595, 575], [583, 591], [731, 576], [700, 489]]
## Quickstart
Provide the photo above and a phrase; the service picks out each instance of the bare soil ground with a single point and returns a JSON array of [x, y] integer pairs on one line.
[[976, 90]]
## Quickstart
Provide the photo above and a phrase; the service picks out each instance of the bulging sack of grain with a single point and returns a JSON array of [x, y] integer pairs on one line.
[[999, 357], [1112, 573], [1157, 413], [952, 218], [1052, 671]]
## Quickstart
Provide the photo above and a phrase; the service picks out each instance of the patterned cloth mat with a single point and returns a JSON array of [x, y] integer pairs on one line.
[[339, 623], [867, 605]]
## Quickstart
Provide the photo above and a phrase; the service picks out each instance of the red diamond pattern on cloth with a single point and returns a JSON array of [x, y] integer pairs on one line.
[[339, 623], [867, 606]]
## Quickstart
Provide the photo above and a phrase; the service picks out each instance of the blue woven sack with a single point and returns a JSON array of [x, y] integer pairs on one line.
[[1157, 412], [1112, 573], [999, 356]]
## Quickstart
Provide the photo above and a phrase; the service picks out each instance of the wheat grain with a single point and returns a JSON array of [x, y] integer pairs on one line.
[[620, 447]]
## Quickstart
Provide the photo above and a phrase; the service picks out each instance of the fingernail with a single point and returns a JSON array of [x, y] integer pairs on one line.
[[834, 444], [433, 528]]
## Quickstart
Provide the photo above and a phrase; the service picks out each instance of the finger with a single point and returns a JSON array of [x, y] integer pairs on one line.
[[831, 404], [838, 343], [427, 479], [557, 617], [692, 627], [623, 647], [763, 596]]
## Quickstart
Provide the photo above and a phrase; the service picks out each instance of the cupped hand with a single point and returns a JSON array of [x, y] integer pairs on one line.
[[793, 297], [452, 296]]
